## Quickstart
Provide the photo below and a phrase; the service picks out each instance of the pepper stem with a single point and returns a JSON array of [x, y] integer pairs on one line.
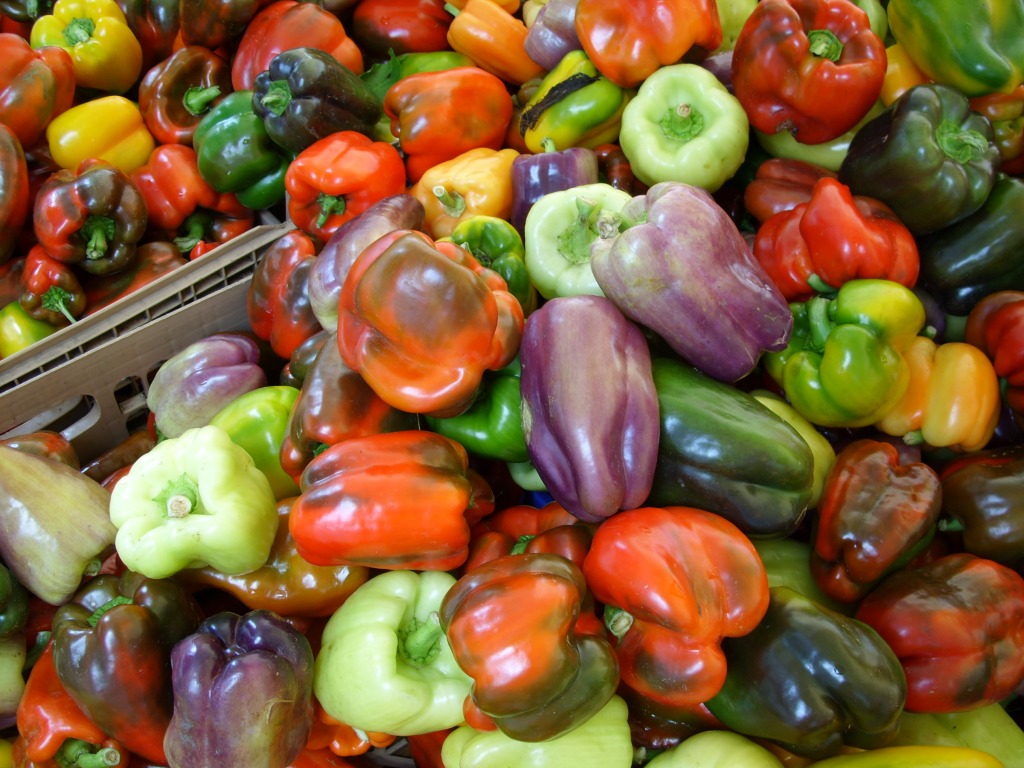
[[963, 146], [277, 98], [76, 753], [56, 300], [521, 544], [815, 283], [193, 228], [820, 325], [180, 497], [825, 44], [547, 144], [682, 123], [419, 642], [329, 205], [950, 525], [198, 100], [453, 203], [94, 617], [98, 231], [914, 437], [78, 31], [617, 620]]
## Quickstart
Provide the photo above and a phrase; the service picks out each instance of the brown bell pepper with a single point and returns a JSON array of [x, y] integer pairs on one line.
[[156, 24], [216, 23], [152, 261], [35, 86], [51, 290], [15, 202]]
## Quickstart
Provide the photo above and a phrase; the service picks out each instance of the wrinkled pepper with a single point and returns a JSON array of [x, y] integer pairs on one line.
[[37, 85], [494, 39], [51, 291]]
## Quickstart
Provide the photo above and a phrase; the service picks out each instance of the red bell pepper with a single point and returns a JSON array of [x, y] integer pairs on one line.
[[35, 86], [425, 351], [996, 326], [337, 178], [695, 579], [834, 238], [810, 67], [51, 290], [402, 26], [521, 528], [15, 202], [781, 184], [216, 23], [156, 24]]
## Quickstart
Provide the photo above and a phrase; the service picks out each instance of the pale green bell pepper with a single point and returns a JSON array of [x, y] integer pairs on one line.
[[829, 154], [716, 749], [385, 664], [193, 501], [989, 728]]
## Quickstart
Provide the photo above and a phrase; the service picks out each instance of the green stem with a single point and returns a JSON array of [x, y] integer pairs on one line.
[[78, 31], [820, 286], [574, 241], [682, 123], [329, 205], [277, 98], [547, 144], [75, 753], [453, 10], [914, 437], [98, 231], [453, 203], [194, 228], [963, 146], [56, 300], [818, 320], [824, 44], [617, 620], [198, 100], [94, 617], [419, 642], [950, 525], [521, 544]]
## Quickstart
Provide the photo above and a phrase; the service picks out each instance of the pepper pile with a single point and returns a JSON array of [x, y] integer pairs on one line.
[[622, 393]]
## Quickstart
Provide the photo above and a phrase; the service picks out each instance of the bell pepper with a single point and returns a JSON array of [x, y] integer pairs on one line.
[[957, 626], [523, 528], [282, 25], [37, 85], [684, 126], [574, 105], [15, 201], [925, 757], [494, 39], [438, 115], [119, 456], [510, 626], [300, 363], [111, 649], [432, 363], [243, 693], [832, 238], [989, 728], [156, 24], [192, 385], [278, 298], [975, 49], [105, 53], [626, 44], [844, 364], [577, 351], [952, 400], [927, 146], [20, 14], [177, 91], [205, 229], [551, 33], [559, 231], [1006, 113], [385, 664], [51, 291], [362, 503], [721, 450], [52, 445], [810, 67], [787, 562], [699, 580], [716, 749], [552, 170], [340, 739], [287, 584], [304, 94], [338, 177], [875, 515], [19, 330], [662, 276], [975, 257], [216, 23], [811, 680], [334, 405], [109, 128], [901, 74], [401, 26], [236, 154], [194, 500]]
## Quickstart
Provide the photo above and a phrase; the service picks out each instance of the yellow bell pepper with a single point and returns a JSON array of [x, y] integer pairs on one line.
[[918, 757], [952, 400], [901, 74], [477, 182], [106, 54], [110, 128], [6, 758]]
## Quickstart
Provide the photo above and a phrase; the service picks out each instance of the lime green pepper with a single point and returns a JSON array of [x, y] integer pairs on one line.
[[787, 562], [843, 366], [829, 154], [193, 501], [716, 749], [19, 330], [574, 106], [989, 728], [13, 652], [684, 125], [733, 14], [258, 422], [919, 757], [496, 244]]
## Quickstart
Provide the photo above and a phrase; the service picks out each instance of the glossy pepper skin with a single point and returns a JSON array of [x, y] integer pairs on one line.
[[37, 86], [51, 290], [721, 450], [811, 680], [19, 330], [927, 146], [832, 238], [810, 67], [15, 194], [844, 364], [957, 626], [702, 580], [111, 650], [92, 217], [494, 39], [535, 175], [595, 462], [155, 24], [402, 26], [994, 325], [305, 95], [363, 503], [109, 128], [425, 353], [510, 626], [176, 92], [243, 693], [218, 23], [875, 514]]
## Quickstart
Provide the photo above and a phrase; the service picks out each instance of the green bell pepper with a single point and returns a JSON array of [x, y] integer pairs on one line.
[[602, 741], [787, 562], [13, 652], [13, 603], [19, 330], [385, 664], [559, 230], [733, 14], [574, 106], [258, 422], [497, 245], [716, 749], [977, 48], [684, 125], [524, 474], [829, 154], [843, 366], [492, 427], [989, 728], [236, 154], [193, 501]]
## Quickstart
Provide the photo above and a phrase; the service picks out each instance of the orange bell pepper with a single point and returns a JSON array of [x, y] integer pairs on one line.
[[509, 6], [952, 400], [901, 74], [1006, 113], [495, 40], [341, 738], [996, 326]]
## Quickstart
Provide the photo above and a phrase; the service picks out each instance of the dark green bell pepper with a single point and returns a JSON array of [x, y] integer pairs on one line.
[[492, 427], [811, 680], [980, 255], [928, 157], [723, 451], [13, 603], [844, 365], [236, 154]]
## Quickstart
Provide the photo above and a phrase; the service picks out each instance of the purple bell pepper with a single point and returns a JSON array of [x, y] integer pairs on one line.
[[553, 33], [243, 693], [533, 176], [681, 268], [589, 406]]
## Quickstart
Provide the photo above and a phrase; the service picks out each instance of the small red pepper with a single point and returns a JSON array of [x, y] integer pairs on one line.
[[51, 290]]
